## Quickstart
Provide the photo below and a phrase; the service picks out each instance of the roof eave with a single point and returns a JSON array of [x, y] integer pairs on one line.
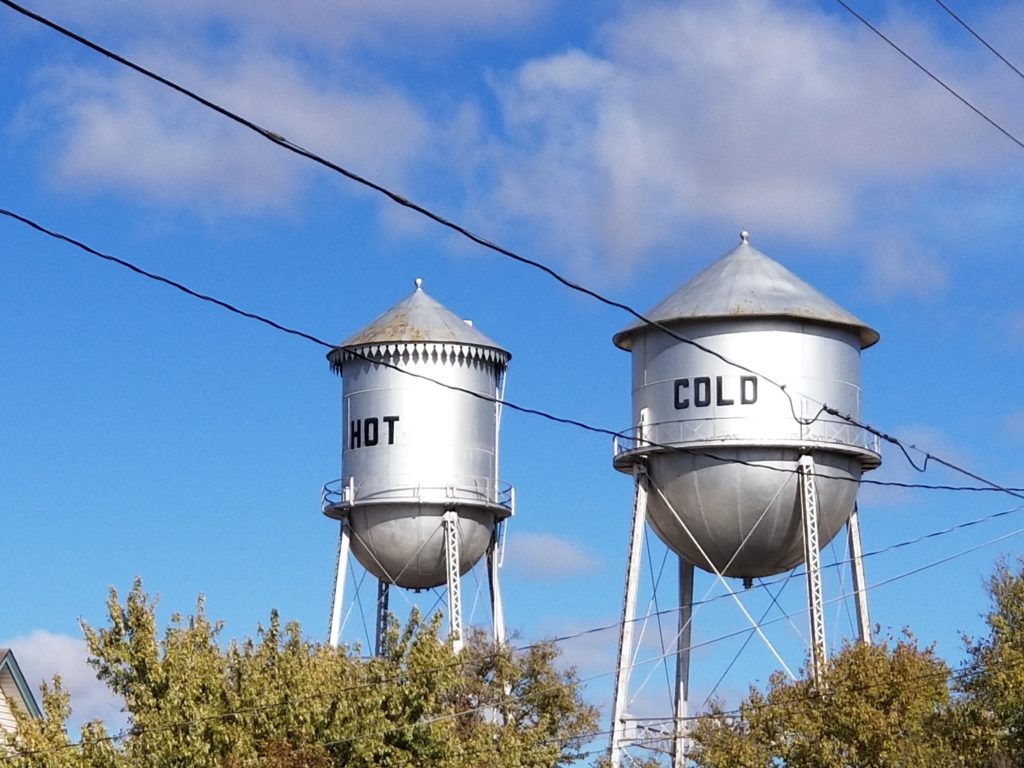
[[624, 339]]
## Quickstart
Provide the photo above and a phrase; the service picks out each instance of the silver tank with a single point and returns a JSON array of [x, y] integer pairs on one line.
[[709, 420], [413, 449]]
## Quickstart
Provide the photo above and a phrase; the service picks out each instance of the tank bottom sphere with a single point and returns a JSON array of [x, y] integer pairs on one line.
[[404, 544], [746, 519]]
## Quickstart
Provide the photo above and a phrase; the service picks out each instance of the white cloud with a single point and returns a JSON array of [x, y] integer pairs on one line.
[[758, 114], [128, 134], [543, 556], [775, 117], [333, 25], [42, 654], [900, 268]]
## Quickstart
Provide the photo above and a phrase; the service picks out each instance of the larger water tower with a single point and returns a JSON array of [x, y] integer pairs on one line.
[[737, 467], [419, 498]]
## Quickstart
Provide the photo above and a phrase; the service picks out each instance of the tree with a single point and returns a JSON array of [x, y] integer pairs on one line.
[[278, 700], [878, 706], [990, 704]]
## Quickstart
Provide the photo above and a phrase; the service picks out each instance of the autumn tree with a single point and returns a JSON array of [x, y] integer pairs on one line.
[[990, 688], [876, 706], [278, 700]]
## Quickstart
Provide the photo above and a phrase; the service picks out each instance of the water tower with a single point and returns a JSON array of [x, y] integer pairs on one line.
[[419, 497], [737, 468]]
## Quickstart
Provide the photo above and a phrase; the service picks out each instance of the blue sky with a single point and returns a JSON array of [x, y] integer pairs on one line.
[[146, 434]]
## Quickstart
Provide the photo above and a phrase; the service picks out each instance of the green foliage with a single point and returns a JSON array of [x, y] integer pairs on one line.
[[44, 743], [890, 705], [878, 706], [990, 707], [278, 700]]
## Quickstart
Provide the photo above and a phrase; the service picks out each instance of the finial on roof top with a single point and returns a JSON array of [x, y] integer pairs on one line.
[[419, 283], [744, 237]]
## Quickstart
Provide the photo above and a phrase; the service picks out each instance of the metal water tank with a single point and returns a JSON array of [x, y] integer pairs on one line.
[[719, 441], [413, 448]]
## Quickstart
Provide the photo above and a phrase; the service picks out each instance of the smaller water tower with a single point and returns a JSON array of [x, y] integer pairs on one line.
[[419, 499], [737, 466]]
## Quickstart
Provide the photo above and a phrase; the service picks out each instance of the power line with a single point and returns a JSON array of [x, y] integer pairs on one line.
[[570, 284], [279, 140], [273, 324], [514, 406], [825, 408], [949, 89], [217, 302], [765, 584], [884, 582], [136, 730], [978, 37], [285, 329]]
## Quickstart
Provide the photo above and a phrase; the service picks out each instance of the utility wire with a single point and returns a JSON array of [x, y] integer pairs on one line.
[[217, 302], [395, 197], [990, 486], [279, 140], [961, 675], [906, 574], [949, 89], [137, 730], [276, 138], [461, 662], [402, 201], [229, 307], [767, 583], [285, 329], [812, 694], [978, 37]]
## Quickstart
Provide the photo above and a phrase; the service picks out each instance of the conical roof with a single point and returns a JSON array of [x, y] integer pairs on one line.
[[746, 283], [420, 319]]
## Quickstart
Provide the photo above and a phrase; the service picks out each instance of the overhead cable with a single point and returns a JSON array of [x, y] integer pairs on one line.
[[136, 730], [991, 486], [978, 37], [229, 307], [281, 141], [949, 89], [278, 139]]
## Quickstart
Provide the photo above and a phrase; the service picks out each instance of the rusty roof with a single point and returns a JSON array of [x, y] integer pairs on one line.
[[420, 318], [747, 283]]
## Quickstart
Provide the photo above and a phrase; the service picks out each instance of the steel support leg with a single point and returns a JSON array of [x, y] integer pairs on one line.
[[812, 560], [618, 737], [725, 584], [684, 636], [859, 582], [497, 607], [334, 631], [451, 553], [383, 593]]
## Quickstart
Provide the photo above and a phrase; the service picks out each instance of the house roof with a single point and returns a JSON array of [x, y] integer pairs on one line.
[[13, 685]]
